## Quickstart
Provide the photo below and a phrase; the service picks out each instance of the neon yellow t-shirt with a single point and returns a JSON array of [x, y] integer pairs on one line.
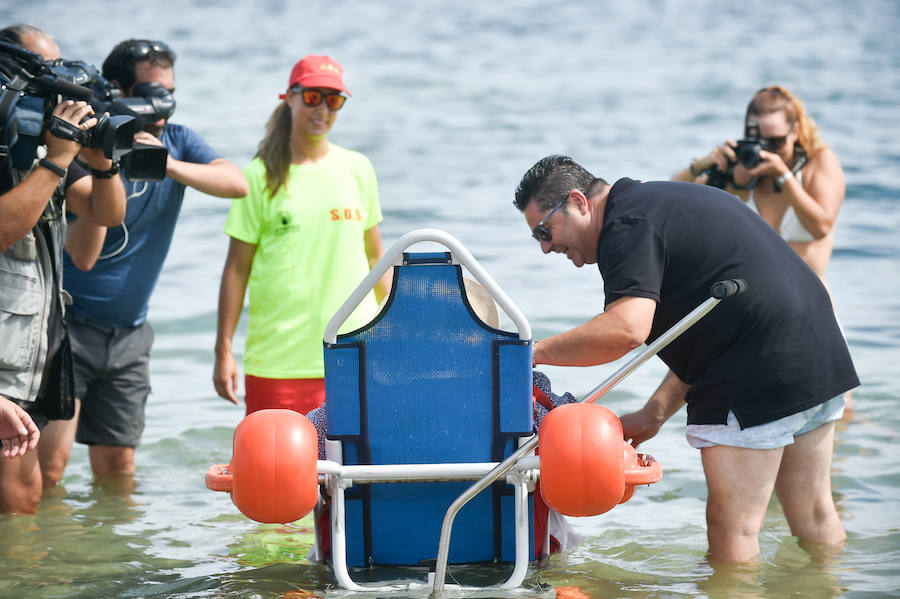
[[310, 255]]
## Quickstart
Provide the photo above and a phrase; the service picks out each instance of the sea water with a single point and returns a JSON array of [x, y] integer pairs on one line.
[[452, 102]]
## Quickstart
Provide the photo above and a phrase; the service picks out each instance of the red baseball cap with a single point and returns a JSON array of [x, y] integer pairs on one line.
[[318, 71]]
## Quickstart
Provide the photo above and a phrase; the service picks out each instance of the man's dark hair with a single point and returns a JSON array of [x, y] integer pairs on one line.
[[551, 179], [13, 34], [119, 65]]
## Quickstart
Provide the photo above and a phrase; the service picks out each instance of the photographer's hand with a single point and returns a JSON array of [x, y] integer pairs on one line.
[[61, 151], [771, 165], [100, 197], [720, 157], [219, 178], [699, 168], [22, 206], [147, 138], [96, 159]]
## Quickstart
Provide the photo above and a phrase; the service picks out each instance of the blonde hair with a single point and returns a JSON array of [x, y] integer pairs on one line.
[[775, 99], [275, 148]]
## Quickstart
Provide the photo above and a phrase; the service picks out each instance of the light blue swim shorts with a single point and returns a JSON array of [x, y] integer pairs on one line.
[[770, 435]]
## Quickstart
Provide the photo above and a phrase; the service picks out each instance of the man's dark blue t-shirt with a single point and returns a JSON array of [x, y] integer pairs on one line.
[[767, 354], [116, 292]]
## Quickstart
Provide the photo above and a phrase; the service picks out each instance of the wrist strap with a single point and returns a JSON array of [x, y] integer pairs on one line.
[[108, 174], [53, 167], [65, 130], [694, 172]]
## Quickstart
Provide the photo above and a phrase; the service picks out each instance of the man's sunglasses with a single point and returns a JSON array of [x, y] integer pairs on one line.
[[540, 232], [142, 48], [314, 97]]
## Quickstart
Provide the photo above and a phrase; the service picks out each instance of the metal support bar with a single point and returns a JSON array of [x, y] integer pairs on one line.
[[404, 473]]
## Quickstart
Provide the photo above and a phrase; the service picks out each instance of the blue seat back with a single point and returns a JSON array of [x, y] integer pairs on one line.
[[427, 382]]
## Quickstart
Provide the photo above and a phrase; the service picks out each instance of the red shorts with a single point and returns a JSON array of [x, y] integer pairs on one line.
[[300, 395]]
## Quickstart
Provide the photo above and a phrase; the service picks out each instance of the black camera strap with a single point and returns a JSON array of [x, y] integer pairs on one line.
[[10, 129], [802, 158], [9, 133]]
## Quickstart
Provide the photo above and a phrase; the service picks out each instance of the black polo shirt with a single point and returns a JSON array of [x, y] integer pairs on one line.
[[774, 351]]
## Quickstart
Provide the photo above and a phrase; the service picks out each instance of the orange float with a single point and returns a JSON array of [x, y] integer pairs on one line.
[[640, 469], [586, 466], [272, 476], [581, 459]]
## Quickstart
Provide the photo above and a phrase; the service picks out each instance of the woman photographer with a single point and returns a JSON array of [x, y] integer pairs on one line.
[[783, 171], [797, 187]]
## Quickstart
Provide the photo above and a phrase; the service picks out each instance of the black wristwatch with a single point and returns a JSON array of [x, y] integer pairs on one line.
[[112, 172]]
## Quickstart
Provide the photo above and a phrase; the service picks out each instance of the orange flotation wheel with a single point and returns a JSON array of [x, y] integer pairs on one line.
[[586, 466], [272, 476]]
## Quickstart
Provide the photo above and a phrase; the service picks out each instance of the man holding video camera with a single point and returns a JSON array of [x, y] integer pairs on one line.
[[100, 201], [111, 338], [33, 193]]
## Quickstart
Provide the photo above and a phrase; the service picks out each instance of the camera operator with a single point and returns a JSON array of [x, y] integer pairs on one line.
[[111, 338], [99, 201], [32, 233]]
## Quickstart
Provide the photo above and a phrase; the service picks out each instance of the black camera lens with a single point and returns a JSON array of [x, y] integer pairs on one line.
[[112, 134], [747, 151]]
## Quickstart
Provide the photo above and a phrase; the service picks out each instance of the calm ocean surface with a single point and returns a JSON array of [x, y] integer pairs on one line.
[[453, 102]]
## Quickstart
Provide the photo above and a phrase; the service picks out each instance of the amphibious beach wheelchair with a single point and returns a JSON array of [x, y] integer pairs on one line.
[[420, 402]]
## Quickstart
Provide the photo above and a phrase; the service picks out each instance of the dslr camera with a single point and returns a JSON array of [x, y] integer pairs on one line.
[[748, 149], [30, 88]]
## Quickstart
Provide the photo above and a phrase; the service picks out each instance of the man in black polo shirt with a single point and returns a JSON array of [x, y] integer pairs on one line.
[[763, 375]]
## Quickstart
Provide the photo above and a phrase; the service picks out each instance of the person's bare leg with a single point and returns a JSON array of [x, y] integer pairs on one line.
[[803, 487], [55, 447], [20, 484], [112, 460], [740, 483], [113, 467]]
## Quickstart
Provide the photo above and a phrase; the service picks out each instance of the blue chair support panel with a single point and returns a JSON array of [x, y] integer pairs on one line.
[[427, 382]]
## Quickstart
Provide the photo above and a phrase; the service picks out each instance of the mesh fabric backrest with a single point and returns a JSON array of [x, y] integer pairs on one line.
[[426, 382]]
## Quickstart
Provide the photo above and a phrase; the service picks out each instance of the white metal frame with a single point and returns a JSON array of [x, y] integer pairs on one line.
[[459, 254], [335, 477]]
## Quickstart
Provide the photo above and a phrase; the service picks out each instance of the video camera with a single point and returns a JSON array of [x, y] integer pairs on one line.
[[32, 87]]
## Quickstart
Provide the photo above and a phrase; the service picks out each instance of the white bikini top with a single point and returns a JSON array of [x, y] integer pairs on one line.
[[791, 229]]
